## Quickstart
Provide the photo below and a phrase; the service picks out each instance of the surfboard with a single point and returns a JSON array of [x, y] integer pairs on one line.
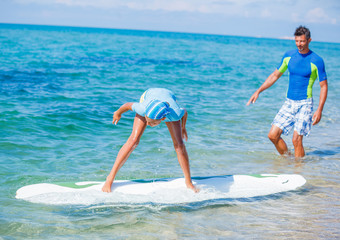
[[163, 191]]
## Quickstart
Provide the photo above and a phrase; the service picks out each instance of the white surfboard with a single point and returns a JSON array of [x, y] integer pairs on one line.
[[163, 191]]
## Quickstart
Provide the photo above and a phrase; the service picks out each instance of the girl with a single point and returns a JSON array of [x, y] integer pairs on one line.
[[155, 105]]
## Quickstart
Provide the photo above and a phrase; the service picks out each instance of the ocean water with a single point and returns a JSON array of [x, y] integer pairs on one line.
[[60, 85]]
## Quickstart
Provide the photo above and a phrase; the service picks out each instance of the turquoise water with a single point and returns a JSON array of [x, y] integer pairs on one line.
[[59, 87]]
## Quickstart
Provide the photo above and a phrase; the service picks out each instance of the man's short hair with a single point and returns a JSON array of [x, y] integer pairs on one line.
[[302, 30]]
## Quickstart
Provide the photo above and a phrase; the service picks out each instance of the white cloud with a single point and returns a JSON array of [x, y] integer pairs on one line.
[[315, 15], [268, 9], [319, 15], [265, 13], [201, 6], [295, 17]]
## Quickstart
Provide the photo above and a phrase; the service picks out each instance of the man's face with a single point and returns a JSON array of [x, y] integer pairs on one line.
[[302, 43]]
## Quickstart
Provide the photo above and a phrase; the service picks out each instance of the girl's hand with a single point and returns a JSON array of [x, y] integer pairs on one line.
[[183, 123], [118, 114], [116, 117]]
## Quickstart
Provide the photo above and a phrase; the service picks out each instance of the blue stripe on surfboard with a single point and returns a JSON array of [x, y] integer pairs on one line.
[[77, 186]]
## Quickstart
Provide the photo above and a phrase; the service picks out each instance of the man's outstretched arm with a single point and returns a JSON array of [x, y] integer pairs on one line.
[[272, 78]]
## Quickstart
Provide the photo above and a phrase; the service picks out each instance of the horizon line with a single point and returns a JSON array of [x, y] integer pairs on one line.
[[285, 38]]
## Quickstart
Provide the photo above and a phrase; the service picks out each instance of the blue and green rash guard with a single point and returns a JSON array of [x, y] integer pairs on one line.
[[303, 69], [161, 94]]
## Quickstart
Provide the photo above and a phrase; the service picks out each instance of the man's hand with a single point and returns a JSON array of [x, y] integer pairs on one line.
[[317, 117], [253, 98], [272, 78]]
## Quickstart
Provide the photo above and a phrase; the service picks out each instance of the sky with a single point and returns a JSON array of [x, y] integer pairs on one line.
[[260, 18]]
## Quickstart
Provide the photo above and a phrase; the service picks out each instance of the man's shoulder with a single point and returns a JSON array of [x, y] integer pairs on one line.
[[315, 57], [291, 53]]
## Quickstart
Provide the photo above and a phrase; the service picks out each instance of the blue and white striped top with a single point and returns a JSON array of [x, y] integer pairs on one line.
[[163, 95]]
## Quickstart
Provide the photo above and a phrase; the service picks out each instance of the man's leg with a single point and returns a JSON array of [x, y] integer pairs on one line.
[[302, 126], [275, 136], [298, 146]]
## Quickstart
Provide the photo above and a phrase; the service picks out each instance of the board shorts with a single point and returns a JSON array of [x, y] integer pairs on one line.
[[297, 114]]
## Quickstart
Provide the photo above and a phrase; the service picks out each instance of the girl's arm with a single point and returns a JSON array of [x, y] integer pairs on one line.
[[118, 114], [183, 124]]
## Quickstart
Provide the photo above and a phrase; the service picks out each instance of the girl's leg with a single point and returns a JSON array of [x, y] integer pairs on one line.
[[139, 126], [182, 155]]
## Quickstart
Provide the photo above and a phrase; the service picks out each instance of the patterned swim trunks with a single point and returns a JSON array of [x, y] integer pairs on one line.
[[297, 114]]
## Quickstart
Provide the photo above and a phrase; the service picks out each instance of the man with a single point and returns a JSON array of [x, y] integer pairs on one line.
[[304, 68], [155, 105]]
